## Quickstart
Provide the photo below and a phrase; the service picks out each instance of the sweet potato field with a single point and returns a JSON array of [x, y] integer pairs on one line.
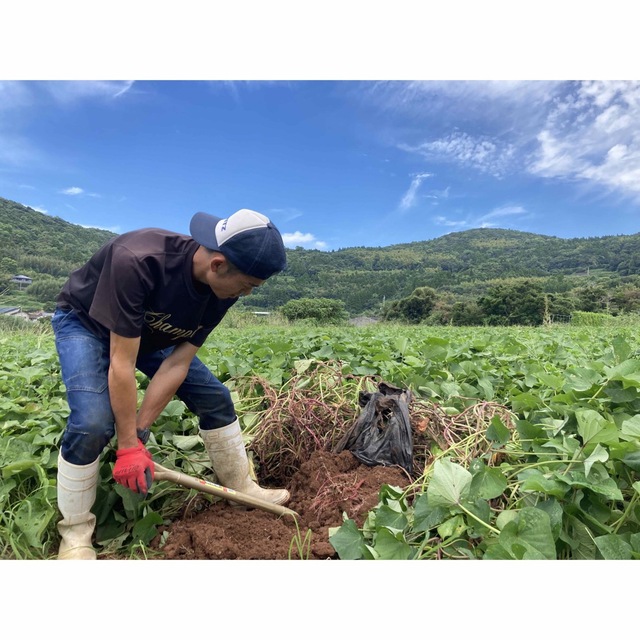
[[526, 440]]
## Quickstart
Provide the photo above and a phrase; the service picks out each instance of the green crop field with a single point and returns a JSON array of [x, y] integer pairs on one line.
[[553, 475]]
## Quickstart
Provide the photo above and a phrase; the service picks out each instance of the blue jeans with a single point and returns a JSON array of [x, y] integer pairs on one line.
[[84, 364]]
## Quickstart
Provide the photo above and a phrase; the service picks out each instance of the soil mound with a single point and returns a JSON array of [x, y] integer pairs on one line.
[[326, 486]]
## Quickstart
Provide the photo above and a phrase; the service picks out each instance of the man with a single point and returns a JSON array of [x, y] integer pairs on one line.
[[147, 300]]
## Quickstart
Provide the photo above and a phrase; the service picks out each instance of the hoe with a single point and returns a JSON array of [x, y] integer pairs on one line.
[[162, 473]]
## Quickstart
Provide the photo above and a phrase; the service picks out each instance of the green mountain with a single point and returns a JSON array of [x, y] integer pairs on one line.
[[42, 247], [462, 264]]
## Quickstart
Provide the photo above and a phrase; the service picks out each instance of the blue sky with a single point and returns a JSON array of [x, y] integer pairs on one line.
[[343, 141], [334, 163]]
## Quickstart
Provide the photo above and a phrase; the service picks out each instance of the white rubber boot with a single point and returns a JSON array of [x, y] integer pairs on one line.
[[231, 465], [77, 486]]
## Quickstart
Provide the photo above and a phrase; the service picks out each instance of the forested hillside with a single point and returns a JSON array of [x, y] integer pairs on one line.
[[460, 267], [42, 247], [462, 264]]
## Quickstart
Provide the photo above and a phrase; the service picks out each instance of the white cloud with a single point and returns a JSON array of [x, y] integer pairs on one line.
[[446, 222], [72, 91], [466, 99], [78, 191], [21, 99], [39, 209], [287, 214], [409, 198], [592, 134], [501, 212], [115, 229], [559, 130], [486, 220], [479, 152], [305, 240]]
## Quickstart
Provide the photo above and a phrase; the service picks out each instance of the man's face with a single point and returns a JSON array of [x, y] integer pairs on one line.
[[227, 282]]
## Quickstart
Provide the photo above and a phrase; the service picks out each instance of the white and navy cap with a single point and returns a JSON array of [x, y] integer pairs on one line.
[[247, 238]]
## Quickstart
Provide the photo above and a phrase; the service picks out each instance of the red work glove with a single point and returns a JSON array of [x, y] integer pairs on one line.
[[134, 468]]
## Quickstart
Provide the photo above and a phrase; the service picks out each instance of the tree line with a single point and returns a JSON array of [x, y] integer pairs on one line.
[[456, 278]]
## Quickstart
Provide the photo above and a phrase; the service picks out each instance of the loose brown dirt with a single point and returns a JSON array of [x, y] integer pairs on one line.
[[326, 486]]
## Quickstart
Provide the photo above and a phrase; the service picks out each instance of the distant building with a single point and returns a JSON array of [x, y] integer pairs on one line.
[[22, 281]]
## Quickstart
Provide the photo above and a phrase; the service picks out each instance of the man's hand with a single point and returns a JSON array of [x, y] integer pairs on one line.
[[134, 468]]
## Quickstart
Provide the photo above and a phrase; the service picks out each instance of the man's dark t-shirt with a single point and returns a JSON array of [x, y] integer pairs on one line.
[[141, 284]]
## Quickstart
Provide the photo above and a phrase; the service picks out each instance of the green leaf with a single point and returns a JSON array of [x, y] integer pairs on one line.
[[32, 517], [348, 541], [529, 536], [535, 480], [620, 395], [449, 485], [426, 517], [593, 427], [487, 482], [497, 432], [391, 547], [555, 512], [628, 372], [620, 348], [174, 409], [482, 511], [145, 529], [551, 381], [525, 402], [186, 443], [631, 427], [599, 482], [8, 486], [390, 518], [632, 460], [613, 547], [598, 455], [581, 379], [452, 528], [579, 537]]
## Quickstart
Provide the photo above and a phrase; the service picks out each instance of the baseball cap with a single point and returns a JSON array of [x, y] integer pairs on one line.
[[247, 238]]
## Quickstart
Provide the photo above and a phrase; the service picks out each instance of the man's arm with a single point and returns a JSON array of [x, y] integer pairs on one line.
[[134, 466], [122, 388], [165, 383]]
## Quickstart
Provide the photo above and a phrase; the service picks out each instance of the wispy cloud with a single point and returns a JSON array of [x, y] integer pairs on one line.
[[39, 209], [508, 211], [19, 98], [443, 221], [494, 218], [587, 132], [284, 215], [305, 240], [72, 91], [478, 152], [593, 134], [409, 198]]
